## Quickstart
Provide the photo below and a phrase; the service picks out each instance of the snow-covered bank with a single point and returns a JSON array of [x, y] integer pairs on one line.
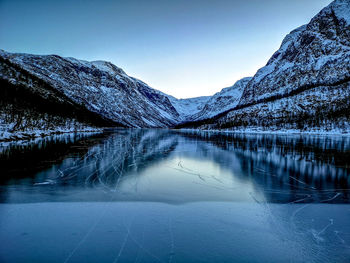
[[8, 136], [55, 136], [260, 130]]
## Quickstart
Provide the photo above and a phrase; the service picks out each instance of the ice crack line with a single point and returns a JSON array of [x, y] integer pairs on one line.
[[172, 246], [325, 228]]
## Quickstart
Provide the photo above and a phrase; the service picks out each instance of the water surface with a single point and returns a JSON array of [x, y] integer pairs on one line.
[[171, 196]]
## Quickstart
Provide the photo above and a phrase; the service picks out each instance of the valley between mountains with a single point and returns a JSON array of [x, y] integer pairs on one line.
[[305, 86]]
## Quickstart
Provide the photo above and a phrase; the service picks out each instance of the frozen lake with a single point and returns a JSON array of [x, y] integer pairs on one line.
[[169, 196]]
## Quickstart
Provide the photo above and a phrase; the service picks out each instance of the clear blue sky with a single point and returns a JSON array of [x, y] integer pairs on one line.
[[185, 48]]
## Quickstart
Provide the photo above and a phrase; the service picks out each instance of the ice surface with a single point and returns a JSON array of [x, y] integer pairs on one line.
[[179, 196]]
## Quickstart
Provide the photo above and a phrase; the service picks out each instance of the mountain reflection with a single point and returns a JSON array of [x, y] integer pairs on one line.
[[178, 166], [314, 168]]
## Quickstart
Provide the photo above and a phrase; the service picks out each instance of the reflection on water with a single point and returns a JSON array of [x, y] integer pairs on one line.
[[287, 193], [141, 164]]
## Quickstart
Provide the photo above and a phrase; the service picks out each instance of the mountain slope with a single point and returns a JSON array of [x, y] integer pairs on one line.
[[188, 107], [107, 91], [100, 86], [305, 84], [29, 107], [316, 54], [222, 101]]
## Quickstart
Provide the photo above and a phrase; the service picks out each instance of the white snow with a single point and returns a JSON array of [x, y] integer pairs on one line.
[[341, 9], [187, 107]]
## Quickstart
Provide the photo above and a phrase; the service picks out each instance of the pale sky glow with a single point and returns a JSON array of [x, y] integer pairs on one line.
[[183, 48]]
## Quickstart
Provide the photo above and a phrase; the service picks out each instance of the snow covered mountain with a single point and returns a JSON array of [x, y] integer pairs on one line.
[[188, 107], [221, 101], [306, 83], [103, 89], [100, 86], [316, 54]]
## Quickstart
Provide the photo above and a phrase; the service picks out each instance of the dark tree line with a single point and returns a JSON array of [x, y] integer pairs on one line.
[[26, 109]]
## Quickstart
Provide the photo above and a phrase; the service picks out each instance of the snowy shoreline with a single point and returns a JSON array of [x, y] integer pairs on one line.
[[20, 136], [275, 132]]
